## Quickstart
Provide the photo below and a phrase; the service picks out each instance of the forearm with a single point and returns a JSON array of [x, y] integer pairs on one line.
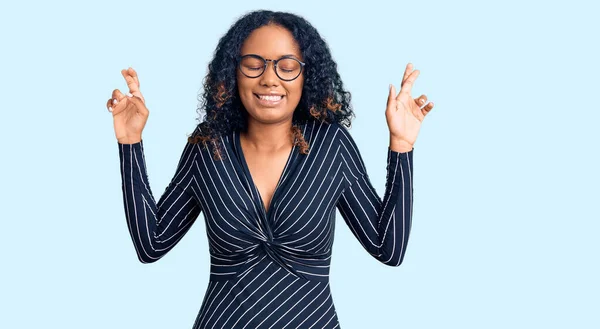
[[156, 227], [382, 226], [396, 214], [140, 206]]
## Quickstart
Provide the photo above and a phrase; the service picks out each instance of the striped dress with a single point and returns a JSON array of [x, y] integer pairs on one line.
[[270, 269]]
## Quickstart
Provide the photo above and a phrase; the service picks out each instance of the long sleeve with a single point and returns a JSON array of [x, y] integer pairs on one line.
[[381, 226], [155, 228]]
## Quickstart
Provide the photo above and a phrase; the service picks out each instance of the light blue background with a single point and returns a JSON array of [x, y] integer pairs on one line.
[[505, 231]]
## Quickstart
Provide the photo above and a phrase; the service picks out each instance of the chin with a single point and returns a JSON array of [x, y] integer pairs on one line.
[[269, 115], [275, 118]]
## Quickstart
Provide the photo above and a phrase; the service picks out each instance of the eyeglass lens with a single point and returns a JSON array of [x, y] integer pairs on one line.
[[286, 69]]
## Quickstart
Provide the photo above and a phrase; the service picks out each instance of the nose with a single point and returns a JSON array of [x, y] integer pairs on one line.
[[269, 78]]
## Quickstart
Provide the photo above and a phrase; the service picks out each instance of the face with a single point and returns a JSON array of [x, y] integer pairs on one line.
[[270, 42]]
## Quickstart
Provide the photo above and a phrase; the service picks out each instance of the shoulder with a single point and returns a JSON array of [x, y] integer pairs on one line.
[[348, 150], [208, 145], [331, 131], [334, 135], [343, 136]]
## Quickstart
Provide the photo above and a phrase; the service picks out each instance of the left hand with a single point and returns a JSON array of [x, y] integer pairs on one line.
[[403, 113]]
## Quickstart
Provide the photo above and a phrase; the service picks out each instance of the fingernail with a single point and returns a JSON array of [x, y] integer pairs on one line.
[[114, 101], [129, 95], [422, 101], [109, 109]]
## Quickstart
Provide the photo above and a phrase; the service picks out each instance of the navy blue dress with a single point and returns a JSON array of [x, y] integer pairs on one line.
[[270, 269]]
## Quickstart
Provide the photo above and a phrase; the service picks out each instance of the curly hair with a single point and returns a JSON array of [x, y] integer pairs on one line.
[[323, 96]]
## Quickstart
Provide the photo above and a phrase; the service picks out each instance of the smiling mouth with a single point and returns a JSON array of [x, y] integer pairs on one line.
[[269, 98]]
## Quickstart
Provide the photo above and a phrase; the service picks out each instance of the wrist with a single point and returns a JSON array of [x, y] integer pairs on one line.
[[131, 140], [399, 145]]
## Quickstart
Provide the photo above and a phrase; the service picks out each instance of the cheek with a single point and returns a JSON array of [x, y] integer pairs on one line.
[[244, 89], [297, 92], [296, 87]]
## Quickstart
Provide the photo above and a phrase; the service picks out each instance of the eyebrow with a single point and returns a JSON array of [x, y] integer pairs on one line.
[[292, 55]]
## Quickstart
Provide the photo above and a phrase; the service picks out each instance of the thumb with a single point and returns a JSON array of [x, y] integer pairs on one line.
[[391, 97], [138, 102]]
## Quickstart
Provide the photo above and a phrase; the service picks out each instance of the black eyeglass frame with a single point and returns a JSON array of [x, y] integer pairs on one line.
[[275, 61]]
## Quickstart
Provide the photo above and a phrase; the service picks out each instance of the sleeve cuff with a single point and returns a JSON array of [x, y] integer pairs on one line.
[[132, 144], [398, 164]]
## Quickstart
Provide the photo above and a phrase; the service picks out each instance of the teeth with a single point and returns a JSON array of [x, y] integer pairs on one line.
[[270, 98]]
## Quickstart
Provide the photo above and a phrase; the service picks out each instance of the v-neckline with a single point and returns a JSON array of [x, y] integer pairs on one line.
[[248, 174]]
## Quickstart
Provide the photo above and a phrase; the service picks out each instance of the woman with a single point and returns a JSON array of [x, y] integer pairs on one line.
[[268, 166]]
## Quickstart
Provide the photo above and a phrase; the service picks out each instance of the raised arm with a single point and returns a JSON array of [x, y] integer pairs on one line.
[[155, 228], [381, 226]]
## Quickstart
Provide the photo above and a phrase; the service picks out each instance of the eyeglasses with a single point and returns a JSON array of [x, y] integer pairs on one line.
[[287, 68]]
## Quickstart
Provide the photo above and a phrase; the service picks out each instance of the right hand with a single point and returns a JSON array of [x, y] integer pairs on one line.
[[129, 113]]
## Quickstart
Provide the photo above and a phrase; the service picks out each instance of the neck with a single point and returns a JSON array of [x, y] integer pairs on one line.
[[268, 137]]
